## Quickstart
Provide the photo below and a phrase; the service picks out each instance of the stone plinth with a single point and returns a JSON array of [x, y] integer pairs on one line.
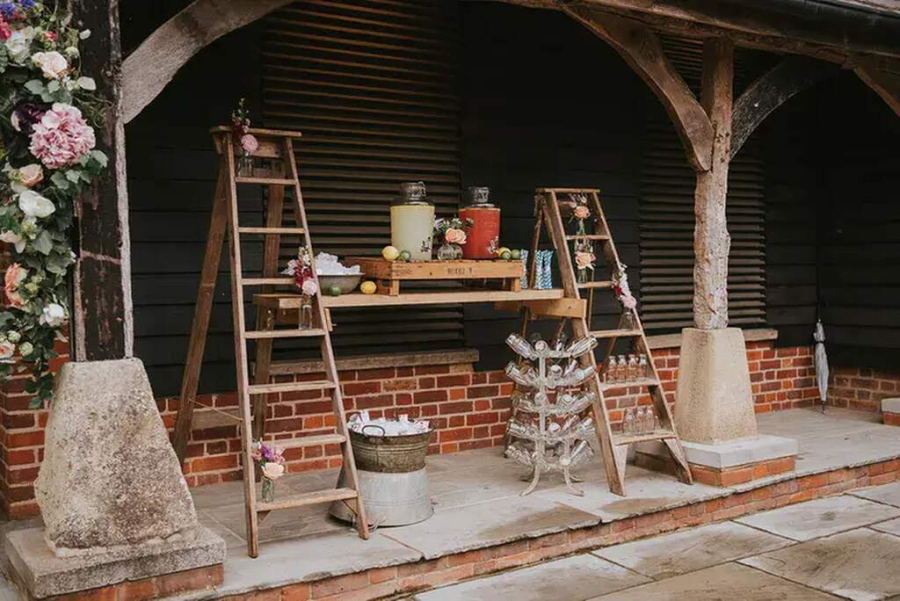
[[714, 401], [147, 571], [116, 508], [729, 463], [890, 410]]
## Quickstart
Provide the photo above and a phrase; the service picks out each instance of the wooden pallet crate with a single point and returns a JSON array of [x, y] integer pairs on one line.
[[388, 274]]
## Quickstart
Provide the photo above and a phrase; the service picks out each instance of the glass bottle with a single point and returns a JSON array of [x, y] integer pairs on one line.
[[640, 421], [306, 312], [412, 222], [622, 371], [628, 424], [612, 368], [268, 490], [628, 322], [643, 367], [632, 368]]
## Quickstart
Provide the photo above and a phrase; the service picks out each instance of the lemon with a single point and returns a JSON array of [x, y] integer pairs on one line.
[[390, 253], [502, 250], [368, 287]]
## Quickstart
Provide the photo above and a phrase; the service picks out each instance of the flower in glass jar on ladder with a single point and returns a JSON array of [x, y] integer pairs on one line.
[[301, 269], [240, 124], [623, 294], [271, 462]]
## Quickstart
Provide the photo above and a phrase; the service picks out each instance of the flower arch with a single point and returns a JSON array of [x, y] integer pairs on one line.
[[48, 113]]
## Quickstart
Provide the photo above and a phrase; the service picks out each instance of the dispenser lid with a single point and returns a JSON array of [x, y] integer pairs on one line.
[[413, 193], [479, 196]]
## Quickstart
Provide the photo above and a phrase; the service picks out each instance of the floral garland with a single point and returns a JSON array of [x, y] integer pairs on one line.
[[621, 288], [47, 119]]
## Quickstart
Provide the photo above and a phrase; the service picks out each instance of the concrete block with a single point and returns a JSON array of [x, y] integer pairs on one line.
[[890, 405], [736, 453]]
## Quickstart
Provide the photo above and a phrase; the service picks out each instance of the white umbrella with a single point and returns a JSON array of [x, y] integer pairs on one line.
[[821, 363]]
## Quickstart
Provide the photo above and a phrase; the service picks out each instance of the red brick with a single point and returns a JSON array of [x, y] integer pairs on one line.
[[356, 388], [190, 580], [456, 407]]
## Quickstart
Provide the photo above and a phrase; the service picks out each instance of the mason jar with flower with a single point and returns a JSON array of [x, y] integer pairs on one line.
[[270, 461], [452, 236]]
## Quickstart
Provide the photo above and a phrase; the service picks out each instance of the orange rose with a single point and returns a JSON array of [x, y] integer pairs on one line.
[[582, 212], [455, 236]]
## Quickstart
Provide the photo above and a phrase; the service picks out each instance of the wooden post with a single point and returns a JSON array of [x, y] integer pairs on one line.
[[712, 242], [102, 309]]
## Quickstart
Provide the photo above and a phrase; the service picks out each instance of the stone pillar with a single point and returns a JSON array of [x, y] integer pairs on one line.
[[115, 505]]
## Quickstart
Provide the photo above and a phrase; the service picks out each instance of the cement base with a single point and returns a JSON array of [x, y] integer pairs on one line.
[[714, 400], [43, 574]]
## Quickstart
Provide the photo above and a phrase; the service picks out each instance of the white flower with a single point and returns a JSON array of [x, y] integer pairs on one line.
[[7, 350], [13, 238], [14, 121], [53, 315], [273, 471], [35, 205], [26, 348], [18, 46], [53, 64], [31, 175], [13, 336]]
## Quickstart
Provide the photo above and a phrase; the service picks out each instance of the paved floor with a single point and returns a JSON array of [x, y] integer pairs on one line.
[[477, 504], [840, 547]]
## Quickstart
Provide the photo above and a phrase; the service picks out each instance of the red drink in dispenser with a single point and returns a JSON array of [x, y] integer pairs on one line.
[[483, 236]]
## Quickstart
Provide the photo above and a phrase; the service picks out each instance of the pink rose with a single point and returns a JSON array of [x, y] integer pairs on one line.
[[31, 175], [61, 137], [273, 471], [53, 64], [309, 287], [455, 236], [249, 143], [582, 212], [5, 31], [15, 275], [584, 260], [629, 302], [7, 350]]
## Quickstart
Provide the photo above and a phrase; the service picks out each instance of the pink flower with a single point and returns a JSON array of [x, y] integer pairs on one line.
[[455, 236], [15, 275], [628, 302], [50, 35], [7, 350], [53, 64], [309, 287], [5, 31], [582, 212], [273, 471], [62, 137], [249, 143], [31, 175], [584, 260]]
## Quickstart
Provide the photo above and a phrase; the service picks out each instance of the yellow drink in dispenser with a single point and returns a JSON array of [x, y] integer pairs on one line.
[[412, 222]]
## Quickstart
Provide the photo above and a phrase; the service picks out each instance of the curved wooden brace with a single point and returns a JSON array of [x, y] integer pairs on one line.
[[641, 49], [772, 89], [886, 83], [150, 68]]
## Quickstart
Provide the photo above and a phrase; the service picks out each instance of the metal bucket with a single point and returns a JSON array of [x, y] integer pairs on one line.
[[390, 454], [392, 478]]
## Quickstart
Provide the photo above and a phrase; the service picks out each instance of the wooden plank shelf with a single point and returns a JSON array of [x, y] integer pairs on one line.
[[357, 299], [389, 274], [639, 382], [647, 437], [615, 333]]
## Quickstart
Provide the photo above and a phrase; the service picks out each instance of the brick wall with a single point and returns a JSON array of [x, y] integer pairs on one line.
[[468, 408], [862, 389]]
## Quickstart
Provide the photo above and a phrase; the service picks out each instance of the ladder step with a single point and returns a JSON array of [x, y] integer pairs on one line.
[[268, 281], [290, 333], [272, 181], [291, 386], [271, 230], [639, 382], [308, 498], [597, 284], [588, 237], [310, 441], [615, 333], [216, 418], [620, 439]]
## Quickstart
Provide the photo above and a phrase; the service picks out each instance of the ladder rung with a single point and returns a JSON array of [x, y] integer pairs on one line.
[[588, 237], [615, 333], [308, 498], [268, 281], [289, 333], [272, 181], [597, 284], [310, 441], [619, 439], [290, 386], [638, 382], [271, 230], [216, 418]]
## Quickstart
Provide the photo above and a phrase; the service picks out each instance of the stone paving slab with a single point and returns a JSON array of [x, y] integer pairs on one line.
[[489, 523], [571, 579], [673, 554], [859, 565], [888, 494], [820, 517], [726, 582], [891, 527]]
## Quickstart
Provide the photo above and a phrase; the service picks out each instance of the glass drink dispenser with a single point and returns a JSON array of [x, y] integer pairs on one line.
[[483, 236], [412, 222]]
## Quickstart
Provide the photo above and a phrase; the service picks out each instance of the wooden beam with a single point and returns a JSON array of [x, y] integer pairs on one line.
[[711, 19], [712, 243], [641, 49], [150, 68], [102, 309], [792, 75], [884, 79]]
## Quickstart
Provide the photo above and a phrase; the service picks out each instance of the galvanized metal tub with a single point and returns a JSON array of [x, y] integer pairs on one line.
[[390, 454], [393, 482]]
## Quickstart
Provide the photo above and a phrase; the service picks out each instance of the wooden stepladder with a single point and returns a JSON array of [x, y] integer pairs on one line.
[[276, 150], [614, 445]]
